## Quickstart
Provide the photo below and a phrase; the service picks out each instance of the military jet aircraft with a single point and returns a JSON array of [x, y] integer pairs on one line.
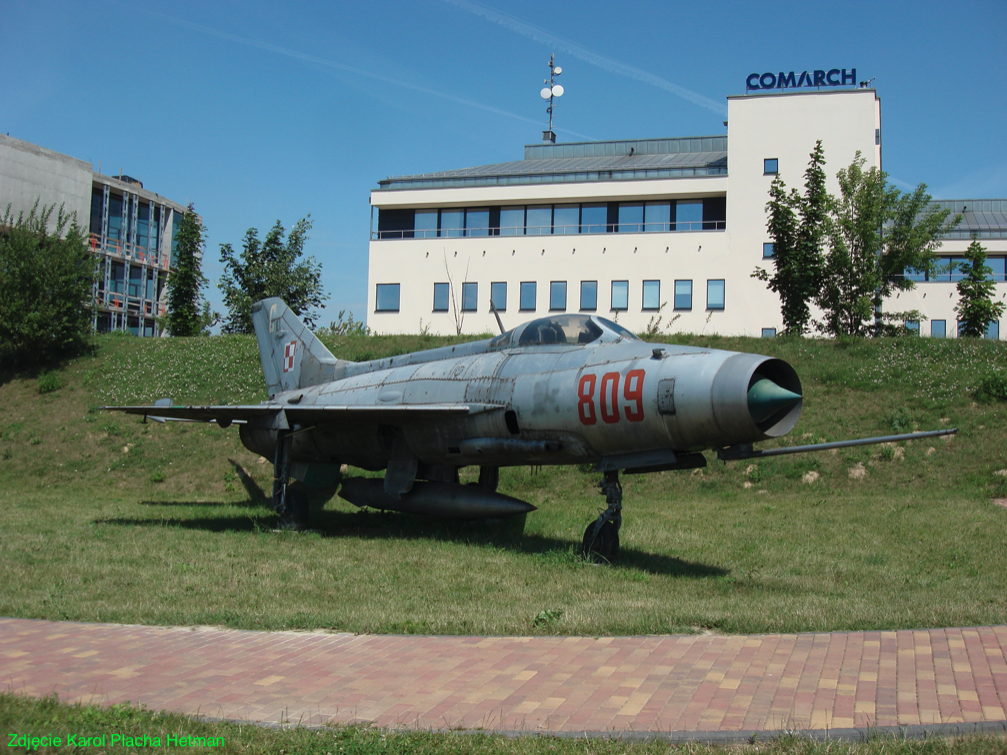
[[563, 389]]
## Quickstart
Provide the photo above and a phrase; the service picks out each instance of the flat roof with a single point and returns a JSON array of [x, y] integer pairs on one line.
[[982, 218], [622, 160]]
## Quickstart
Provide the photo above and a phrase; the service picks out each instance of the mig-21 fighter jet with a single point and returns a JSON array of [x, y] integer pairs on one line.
[[562, 389]]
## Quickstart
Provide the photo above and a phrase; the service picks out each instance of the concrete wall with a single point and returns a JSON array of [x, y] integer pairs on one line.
[[29, 172]]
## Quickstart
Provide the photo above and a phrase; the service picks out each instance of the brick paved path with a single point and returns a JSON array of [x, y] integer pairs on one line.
[[563, 684]]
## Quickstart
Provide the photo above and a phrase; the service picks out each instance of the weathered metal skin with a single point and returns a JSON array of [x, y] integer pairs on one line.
[[539, 386]]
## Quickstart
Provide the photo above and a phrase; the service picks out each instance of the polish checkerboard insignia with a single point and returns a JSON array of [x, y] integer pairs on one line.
[[288, 356]]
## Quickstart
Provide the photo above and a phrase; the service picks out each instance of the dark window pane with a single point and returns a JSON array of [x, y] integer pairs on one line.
[[452, 223], [767, 250], [115, 218], [387, 299], [657, 216], [652, 295], [426, 224], [593, 218], [528, 296], [689, 215], [143, 225], [557, 295], [498, 296], [620, 295], [589, 295], [477, 222], [566, 218], [683, 294], [714, 213], [715, 294], [539, 222], [97, 199], [470, 297], [442, 297], [395, 223], [630, 217], [771, 166], [512, 221]]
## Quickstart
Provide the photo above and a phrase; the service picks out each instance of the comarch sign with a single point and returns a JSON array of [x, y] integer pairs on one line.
[[835, 78]]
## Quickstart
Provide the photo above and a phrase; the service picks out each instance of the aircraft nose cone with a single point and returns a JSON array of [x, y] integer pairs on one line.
[[766, 398]]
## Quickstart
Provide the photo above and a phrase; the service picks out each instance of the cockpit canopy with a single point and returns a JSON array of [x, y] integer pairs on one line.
[[571, 330]]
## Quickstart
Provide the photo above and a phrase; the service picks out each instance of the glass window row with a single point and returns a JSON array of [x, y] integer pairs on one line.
[[387, 296], [708, 214], [953, 268], [939, 328]]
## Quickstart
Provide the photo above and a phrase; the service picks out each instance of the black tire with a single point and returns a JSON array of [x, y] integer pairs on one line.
[[296, 516], [601, 548]]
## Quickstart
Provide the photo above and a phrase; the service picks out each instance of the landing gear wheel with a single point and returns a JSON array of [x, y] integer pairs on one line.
[[296, 515], [603, 546]]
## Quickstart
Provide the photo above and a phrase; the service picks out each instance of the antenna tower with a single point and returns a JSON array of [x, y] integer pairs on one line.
[[548, 93]]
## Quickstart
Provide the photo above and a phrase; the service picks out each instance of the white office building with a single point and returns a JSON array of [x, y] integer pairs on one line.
[[634, 230]]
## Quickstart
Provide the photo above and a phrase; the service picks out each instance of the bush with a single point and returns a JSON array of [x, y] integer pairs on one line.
[[49, 382], [992, 388], [46, 281]]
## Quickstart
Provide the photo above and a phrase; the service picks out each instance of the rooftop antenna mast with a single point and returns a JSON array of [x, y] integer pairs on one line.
[[548, 93]]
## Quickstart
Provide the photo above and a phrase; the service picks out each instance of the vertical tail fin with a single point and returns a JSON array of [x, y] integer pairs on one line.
[[291, 355]]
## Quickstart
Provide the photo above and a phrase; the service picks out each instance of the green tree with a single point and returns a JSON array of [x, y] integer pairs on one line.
[[268, 268], [797, 224], [46, 286], [976, 308], [188, 312], [875, 234]]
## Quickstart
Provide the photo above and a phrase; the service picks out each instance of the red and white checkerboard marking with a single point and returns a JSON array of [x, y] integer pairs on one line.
[[288, 356]]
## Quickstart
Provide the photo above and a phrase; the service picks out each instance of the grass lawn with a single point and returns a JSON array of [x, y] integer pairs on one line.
[[49, 718], [108, 519]]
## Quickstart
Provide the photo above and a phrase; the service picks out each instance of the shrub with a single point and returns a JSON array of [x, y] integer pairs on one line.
[[992, 388]]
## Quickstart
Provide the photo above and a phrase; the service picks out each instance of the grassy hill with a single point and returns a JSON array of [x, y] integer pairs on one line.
[[109, 519]]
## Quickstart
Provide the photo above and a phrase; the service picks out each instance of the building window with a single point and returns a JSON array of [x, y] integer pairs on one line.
[[630, 217], [657, 217], [452, 223], [477, 221], [566, 218], [387, 297], [689, 215], [620, 296], [999, 267], [683, 294], [593, 218], [993, 330], [512, 221], [769, 332], [771, 166], [425, 224], [528, 296], [652, 295], [539, 221], [938, 328], [913, 327], [557, 296], [498, 296], [767, 250], [588, 296], [470, 297], [715, 294], [442, 296]]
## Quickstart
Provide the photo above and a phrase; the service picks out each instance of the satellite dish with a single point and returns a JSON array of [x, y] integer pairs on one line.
[[557, 70], [557, 91], [546, 93]]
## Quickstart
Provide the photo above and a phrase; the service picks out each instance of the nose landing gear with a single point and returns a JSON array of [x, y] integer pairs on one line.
[[601, 538]]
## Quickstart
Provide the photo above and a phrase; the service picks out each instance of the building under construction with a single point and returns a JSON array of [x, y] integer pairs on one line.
[[132, 230]]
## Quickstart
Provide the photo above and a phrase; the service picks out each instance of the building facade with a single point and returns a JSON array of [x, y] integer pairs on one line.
[[132, 230], [659, 234]]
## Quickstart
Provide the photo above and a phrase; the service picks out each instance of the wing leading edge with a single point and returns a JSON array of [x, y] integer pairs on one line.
[[225, 415]]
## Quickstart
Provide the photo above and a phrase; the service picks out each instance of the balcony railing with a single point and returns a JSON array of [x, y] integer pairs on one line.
[[552, 230], [115, 301], [128, 252]]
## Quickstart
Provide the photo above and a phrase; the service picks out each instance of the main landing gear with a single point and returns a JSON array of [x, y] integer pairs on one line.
[[601, 538], [289, 501]]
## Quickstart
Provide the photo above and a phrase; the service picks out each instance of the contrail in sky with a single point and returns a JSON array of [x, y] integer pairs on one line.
[[350, 69], [612, 66]]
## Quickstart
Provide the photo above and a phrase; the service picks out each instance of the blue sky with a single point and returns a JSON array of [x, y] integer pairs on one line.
[[256, 111]]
